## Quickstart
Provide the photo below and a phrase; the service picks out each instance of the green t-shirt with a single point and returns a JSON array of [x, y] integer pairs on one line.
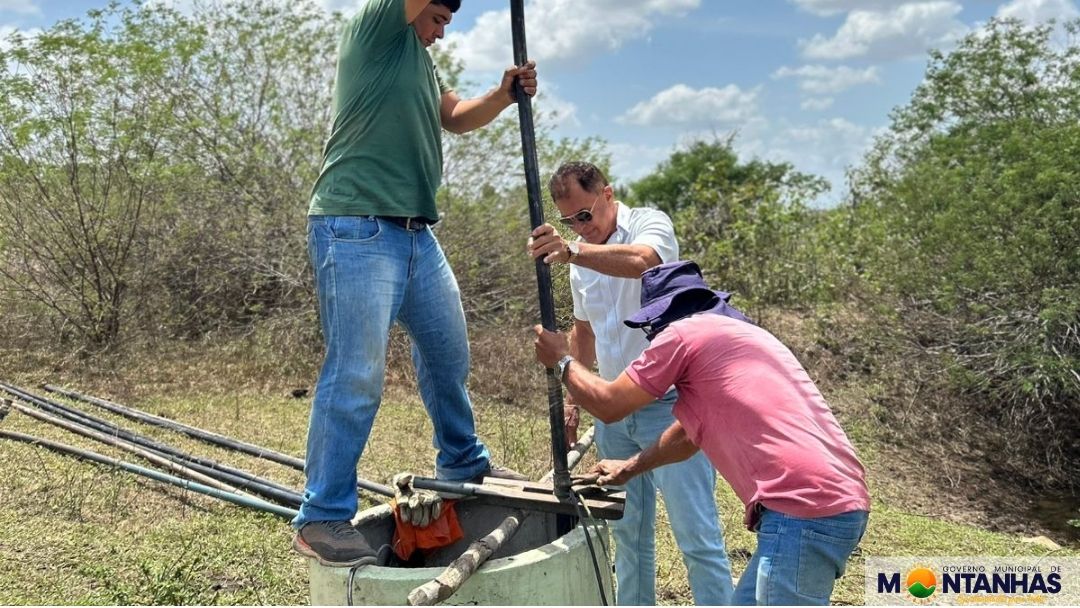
[[384, 155]]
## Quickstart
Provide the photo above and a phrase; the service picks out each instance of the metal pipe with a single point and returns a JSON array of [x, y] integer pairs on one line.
[[207, 436], [207, 466], [180, 427], [209, 476], [126, 446], [236, 499], [543, 271]]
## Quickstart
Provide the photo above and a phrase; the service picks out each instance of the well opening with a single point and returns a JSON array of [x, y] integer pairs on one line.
[[476, 520], [538, 566]]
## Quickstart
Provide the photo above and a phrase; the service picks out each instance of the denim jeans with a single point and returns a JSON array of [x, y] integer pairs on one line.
[[797, 559], [370, 273], [687, 488]]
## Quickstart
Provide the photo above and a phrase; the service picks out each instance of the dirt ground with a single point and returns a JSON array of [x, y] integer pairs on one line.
[[967, 491]]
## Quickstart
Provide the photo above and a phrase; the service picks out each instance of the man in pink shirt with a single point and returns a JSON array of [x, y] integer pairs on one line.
[[748, 404]]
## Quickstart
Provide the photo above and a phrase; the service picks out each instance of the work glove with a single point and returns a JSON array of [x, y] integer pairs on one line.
[[418, 507]]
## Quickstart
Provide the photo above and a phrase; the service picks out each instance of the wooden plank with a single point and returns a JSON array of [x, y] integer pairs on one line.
[[602, 503]]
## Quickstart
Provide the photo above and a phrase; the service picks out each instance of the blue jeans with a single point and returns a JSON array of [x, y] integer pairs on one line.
[[370, 273], [691, 505], [797, 559]]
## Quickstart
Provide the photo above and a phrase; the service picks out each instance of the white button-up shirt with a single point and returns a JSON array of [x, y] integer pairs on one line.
[[606, 301]]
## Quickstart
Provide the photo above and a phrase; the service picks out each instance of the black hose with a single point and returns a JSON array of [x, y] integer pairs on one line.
[[186, 429], [239, 478], [207, 436], [561, 478], [244, 501]]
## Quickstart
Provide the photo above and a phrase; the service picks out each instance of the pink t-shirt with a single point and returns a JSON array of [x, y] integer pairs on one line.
[[747, 402]]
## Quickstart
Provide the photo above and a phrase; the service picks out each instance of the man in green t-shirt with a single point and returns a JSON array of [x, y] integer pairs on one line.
[[377, 262]]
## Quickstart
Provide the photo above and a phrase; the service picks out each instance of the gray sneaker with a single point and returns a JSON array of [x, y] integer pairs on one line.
[[334, 543]]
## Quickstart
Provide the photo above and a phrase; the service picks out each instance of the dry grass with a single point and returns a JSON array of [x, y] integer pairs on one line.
[[77, 533]]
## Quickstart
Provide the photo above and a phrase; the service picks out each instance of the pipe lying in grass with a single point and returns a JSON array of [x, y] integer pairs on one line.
[[236, 499], [180, 427], [236, 477], [204, 435], [127, 446]]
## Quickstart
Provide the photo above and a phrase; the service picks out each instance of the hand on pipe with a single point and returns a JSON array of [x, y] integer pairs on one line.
[[545, 241]]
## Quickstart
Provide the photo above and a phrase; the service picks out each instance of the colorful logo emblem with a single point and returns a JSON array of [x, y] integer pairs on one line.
[[921, 583]]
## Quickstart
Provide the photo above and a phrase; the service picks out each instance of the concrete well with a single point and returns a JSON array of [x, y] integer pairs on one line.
[[536, 567]]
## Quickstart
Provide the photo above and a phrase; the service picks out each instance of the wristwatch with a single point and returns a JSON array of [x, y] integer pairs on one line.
[[560, 367], [573, 248]]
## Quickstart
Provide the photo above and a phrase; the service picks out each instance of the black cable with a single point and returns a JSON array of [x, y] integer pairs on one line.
[[348, 591], [579, 505]]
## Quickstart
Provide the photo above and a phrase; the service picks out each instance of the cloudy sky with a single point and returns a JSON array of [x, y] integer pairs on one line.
[[803, 81]]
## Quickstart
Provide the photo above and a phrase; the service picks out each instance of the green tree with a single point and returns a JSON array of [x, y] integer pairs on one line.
[[83, 131], [147, 152], [968, 216], [156, 167], [746, 223]]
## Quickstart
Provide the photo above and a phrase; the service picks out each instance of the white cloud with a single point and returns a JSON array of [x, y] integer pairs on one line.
[[822, 80], [681, 105], [562, 30], [825, 8], [6, 31], [20, 7], [348, 7], [825, 148], [630, 162], [1038, 11], [816, 104], [909, 29], [555, 109]]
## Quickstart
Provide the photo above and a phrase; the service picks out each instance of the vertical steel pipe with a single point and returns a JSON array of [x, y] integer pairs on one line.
[[543, 271]]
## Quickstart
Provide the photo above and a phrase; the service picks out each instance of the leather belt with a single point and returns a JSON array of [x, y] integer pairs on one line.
[[413, 224]]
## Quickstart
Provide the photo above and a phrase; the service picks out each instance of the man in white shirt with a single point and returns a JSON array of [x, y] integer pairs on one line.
[[616, 244]]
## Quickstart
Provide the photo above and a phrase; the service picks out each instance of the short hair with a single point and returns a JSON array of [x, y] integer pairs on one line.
[[587, 175], [453, 5]]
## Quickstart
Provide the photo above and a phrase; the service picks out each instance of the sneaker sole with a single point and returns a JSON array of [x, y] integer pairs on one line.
[[304, 549]]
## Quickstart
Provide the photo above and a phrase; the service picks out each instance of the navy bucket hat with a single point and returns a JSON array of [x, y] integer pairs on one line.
[[672, 291]]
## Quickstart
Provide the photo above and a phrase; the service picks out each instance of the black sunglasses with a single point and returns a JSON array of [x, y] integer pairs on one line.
[[581, 217]]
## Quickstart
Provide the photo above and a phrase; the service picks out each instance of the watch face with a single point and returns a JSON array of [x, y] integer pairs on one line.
[[560, 367]]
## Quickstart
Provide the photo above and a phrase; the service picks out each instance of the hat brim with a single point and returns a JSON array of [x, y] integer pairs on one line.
[[657, 308]]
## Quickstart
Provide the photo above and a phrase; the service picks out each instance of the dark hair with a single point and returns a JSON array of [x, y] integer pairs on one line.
[[453, 5], [587, 175]]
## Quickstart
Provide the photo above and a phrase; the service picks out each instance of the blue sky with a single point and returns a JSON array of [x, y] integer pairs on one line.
[[803, 81]]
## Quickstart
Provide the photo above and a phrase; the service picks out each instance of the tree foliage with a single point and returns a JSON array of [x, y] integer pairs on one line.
[[153, 164], [156, 166], [969, 218], [747, 223]]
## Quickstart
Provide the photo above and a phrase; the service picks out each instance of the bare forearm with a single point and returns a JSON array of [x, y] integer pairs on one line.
[[471, 114], [583, 345], [590, 392], [672, 446], [625, 261], [607, 401]]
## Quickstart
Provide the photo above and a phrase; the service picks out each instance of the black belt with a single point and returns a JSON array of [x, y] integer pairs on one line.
[[408, 223]]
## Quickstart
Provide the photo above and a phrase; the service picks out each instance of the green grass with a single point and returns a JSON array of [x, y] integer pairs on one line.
[[76, 533]]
